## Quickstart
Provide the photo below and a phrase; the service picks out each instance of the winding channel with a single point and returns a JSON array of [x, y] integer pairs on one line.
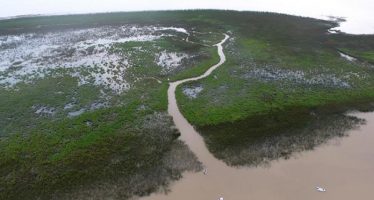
[[188, 133], [344, 169]]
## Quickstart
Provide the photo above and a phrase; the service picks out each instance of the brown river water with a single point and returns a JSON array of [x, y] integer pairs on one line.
[[344, 166]]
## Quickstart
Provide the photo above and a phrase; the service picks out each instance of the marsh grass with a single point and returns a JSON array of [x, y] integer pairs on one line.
[[130, 148]]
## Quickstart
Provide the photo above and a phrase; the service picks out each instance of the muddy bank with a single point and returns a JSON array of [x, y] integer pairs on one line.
[[259, 139]]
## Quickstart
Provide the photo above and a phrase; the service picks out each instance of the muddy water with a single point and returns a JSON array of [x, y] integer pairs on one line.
[[344, 167]]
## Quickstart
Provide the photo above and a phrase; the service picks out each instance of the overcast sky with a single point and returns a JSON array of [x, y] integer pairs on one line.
[[359, 13]]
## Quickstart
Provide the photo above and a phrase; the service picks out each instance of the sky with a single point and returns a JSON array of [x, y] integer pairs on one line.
[[359, 13]]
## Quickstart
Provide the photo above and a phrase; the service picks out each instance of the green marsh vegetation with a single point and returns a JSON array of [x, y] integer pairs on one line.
[[281, 72], [283, 77], [64, 138]]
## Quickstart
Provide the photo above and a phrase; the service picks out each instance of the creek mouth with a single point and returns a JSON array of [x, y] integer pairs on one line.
[[344, 168]]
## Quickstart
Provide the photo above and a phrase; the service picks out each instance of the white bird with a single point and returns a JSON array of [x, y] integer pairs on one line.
[[221, 198], [319, 189]]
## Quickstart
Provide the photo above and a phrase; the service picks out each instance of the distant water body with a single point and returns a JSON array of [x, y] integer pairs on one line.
[[358, 13]]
